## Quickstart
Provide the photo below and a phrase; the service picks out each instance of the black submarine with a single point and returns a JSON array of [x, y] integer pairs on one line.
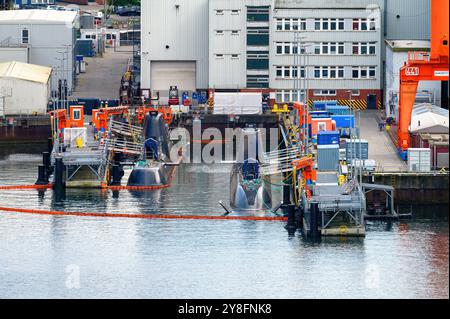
[[249, 190], [155, 168]]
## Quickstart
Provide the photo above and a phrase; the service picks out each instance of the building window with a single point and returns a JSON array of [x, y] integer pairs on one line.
[[235, 12], [219, 56], [258, 36], [325, 92], [219, 12], [289, 72], [76, 114], [329, 72], [364, 48], [258, 14], [289, 96], [219, 32], [235, 32], [289, 48], [288, 24], [364, 24], [363, 72], [356, 93], [331, 48], [329, 24], [25, 36], [257, 81], [257, 60]]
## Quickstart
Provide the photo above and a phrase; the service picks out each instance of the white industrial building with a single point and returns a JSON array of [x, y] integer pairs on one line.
[[331, 49], [396, 56], [428, 118], [24, 88], [42, 37]]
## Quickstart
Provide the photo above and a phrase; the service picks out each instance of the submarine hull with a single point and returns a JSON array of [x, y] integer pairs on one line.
[[158, 175]]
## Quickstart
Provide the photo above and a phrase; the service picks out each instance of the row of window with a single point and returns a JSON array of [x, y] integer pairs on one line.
[[289, 48], [329, 24], [333, 72], [286, 24], [329, 72], [325, 72], [289, 72], [327, 48], [288, 96]]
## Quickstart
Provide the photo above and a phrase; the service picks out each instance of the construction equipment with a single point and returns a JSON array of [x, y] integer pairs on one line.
[[423, 66], [105, 113], [164, 110]]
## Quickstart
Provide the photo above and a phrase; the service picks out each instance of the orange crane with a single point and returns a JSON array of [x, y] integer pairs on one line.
[[423, 66], [106, 112], [309, 174], [165, 111]]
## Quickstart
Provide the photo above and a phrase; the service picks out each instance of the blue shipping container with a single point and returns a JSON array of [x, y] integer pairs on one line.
[[339, 110], [328, 138], [319, 114], [323, 105], [344, 121]]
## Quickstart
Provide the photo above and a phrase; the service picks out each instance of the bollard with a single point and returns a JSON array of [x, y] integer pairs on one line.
[[59, 175], [42, 176], [50, 145], [46, 161], [314, 220], [116, 175], [291, 224]]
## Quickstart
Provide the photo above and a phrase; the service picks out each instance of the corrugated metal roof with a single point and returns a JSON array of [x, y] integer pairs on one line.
[[37, 16], [25, 71]]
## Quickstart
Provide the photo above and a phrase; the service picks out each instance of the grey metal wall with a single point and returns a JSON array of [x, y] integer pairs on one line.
[[407, 19], [184, 29], [227, 72]]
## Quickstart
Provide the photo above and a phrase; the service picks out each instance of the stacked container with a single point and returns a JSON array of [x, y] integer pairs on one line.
[[323, 105], [338, 110], [344, 121], [356, 149], [419, 160], [328, 150], [328, 157], [328, 138]]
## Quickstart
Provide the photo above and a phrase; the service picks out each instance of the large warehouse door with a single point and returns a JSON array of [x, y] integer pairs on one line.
[[176, 73]]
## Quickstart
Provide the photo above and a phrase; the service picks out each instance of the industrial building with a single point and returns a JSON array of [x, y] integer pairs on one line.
[[24, 88], [42, 37], [333, 50]]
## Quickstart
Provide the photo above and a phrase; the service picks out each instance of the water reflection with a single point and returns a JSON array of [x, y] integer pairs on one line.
[[198, 259]]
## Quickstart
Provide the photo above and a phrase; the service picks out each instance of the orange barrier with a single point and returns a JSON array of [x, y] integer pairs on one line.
[[113, 188], [140, 216], [136, 188], [19, 187]]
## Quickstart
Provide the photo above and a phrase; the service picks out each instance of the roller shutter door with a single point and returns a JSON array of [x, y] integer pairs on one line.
[[179, 73]]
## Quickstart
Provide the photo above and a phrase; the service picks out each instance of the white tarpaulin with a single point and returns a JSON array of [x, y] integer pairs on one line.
[[237, 103]]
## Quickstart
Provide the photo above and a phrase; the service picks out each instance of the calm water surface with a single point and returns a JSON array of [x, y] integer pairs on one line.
[[40, 255]]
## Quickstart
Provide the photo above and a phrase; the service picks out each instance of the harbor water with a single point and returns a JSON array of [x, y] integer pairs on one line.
[[88, 257]]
